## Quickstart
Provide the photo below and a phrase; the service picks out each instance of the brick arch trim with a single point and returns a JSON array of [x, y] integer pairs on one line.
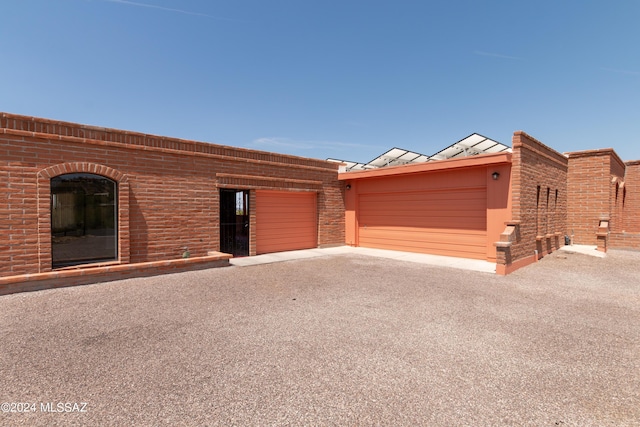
[[44, 208], [82, 167]]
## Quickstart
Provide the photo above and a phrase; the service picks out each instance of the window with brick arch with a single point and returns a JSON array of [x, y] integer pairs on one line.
[[84, 216]]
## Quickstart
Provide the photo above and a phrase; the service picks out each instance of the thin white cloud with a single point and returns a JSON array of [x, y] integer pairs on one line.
[[619, 71], [166, 9], [497, 55]]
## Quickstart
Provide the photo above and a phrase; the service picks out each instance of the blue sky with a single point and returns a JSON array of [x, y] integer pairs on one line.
[[342, 79]]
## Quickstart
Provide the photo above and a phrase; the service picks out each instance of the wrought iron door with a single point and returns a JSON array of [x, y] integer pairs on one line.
[[234, 222]]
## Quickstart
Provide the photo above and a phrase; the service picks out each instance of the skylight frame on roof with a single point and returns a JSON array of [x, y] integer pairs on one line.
[[471, 145]]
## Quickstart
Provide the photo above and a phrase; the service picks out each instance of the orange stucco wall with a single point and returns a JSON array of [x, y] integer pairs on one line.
[[470, 178], [498, 205]]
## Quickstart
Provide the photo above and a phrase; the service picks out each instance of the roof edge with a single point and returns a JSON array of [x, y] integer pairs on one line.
[[43, 127], [456, 163]]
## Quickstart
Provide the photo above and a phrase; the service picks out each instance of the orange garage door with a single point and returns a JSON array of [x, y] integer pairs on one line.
[[285, 221], [452, 222]]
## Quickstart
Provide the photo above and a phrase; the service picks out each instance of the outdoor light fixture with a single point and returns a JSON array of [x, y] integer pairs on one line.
[[348, 187], [495, 175]]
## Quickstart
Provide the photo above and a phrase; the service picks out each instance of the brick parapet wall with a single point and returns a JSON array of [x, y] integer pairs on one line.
[[617, 173], [539, 204], [539, 201], [595, 195], [630, 203], [172, 195], [59, 130], [589, 195], [618, 167], [625, 232]]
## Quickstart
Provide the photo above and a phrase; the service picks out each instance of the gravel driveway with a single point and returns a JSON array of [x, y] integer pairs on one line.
[[335, 340]]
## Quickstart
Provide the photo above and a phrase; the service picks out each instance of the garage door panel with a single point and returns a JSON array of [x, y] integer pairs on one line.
[[285, 221], [445, 219], [287, 206], [373, 199], [476, 202], [457, 220], [292, 224], [465, 252], [454, 217], [430, 197], [443, 244], [268, 244], [275, 234], [407, 232], [450, 222], [423, 208], [424, 236], [465, 195], [473, 251], [291, 228], [413, 238]]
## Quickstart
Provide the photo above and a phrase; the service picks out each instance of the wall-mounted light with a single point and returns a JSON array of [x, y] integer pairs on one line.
[[495, 176], [348, 187]]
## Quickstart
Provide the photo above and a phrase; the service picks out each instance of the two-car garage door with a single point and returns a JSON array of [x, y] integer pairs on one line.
[[449, 222], [285, 221]]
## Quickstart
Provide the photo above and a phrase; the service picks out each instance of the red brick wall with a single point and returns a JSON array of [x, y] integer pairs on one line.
[[617, 173], [539, 199], [631, 198], [592, 180], [171, 187], [18, 216], [626, 201]]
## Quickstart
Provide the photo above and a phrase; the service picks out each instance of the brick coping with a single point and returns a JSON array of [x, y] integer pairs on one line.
[[107, 272], [594, 153]]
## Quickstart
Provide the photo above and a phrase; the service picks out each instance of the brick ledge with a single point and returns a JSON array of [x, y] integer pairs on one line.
[[107, 273]]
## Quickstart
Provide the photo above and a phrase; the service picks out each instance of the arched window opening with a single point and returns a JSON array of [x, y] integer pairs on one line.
[[83, 219]]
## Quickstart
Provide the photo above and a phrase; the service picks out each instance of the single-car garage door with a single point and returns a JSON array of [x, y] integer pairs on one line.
[[285, 221], [443, 222]]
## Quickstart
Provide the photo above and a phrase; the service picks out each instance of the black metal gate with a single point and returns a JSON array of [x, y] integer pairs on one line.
[[234, 222]]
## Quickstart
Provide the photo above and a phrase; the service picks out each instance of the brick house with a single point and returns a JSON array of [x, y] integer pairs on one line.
[[84, 204]]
